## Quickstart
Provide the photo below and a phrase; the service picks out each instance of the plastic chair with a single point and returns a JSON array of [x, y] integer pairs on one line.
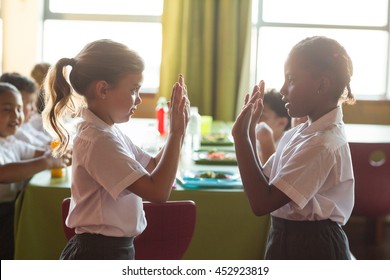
[[69, 232], [170, 227], [169, 231], [371, 165]]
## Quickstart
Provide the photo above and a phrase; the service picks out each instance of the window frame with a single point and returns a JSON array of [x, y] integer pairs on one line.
[[261, 23], [49, 15]]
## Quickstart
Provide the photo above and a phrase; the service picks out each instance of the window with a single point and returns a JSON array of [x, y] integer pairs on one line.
[[69, 25], [361, 26]]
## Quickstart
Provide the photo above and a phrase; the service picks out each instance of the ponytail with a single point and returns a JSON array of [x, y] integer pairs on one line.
[[60, 103]]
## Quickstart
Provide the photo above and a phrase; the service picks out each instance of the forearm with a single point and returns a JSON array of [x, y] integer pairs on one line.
[[164, 175], [18, 171], [254, 182]]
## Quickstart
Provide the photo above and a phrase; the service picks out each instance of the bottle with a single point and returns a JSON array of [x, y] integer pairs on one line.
[[194, 128], [162, 116], [56, 172]]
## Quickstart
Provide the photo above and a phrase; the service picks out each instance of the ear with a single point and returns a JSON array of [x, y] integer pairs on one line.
[[101, 89]]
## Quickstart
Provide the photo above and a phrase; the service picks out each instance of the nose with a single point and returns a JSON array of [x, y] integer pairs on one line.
[[138, 100], [282, 90]]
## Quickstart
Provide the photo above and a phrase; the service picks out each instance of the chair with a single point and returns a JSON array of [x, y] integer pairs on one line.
[[169, 231], [69, 232], [170, 227], [371, 165]]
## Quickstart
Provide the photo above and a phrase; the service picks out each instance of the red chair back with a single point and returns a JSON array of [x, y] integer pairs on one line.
[[69, 232], [371, 165], [170, 227], [169, 231]]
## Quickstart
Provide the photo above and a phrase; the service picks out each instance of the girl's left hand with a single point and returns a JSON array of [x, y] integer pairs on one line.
[[250, 113]]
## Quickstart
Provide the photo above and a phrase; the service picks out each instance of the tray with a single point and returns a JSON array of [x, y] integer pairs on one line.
[[215, 157], [191, 180], [217, 139]]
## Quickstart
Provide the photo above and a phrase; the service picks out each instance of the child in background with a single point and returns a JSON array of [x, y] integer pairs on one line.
[[28, 89], [39, 73], [307, 184], [274, 122], [18, 162], [111, 175]]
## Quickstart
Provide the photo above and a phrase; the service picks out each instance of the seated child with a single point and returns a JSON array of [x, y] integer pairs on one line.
[[28, 89], [19, 161], [273, 123]]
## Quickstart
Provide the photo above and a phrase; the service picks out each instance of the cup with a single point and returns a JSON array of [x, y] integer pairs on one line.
[[206, 123], [56, 172]]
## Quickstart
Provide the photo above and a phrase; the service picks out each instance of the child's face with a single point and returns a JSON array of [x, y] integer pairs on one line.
[[300, 88], [11, 113], [29, 104], [123, 98]]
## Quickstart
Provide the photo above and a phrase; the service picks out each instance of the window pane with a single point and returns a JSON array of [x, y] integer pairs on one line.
[[108, 7], [331, 12], [367, 49], [67, 38]]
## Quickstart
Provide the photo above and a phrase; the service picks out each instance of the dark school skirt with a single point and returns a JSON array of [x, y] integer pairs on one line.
[[7, 213], [306, 240], [88, 246]]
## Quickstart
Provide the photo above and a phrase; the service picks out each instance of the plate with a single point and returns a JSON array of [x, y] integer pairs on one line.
[[206, 179], [217, 139], [215, 157]]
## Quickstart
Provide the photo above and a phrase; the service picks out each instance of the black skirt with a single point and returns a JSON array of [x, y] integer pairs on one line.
[[88, 246], [306, 240]]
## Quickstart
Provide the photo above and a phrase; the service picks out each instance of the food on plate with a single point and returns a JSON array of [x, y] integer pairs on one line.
[[216, 137], [213, 175], [216, 155]]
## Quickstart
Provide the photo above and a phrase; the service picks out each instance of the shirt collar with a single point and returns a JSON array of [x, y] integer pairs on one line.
[[4, 140], [91, 118], [332, 118]]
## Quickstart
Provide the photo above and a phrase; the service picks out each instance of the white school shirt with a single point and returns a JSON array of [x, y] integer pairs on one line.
[[312, 166], [29, 134], [105, 162], [13, 150]]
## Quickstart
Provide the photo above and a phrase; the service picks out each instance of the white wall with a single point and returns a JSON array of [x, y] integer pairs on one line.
[[22, 34]]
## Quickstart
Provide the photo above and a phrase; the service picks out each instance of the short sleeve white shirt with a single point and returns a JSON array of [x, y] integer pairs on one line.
[[105, 162], [312, 166], [29, 134], [13, 150]]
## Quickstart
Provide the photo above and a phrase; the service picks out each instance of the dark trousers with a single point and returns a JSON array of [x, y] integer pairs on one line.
[[306, 240], [88, 246], [7, 247]]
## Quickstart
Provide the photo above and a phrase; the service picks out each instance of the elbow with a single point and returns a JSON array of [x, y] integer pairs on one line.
[[259, 211], [159, 198]]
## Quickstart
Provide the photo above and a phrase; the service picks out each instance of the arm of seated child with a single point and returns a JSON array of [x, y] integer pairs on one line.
[[22, 170], [265, 137]]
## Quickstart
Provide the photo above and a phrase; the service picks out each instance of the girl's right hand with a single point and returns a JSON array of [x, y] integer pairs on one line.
[[179, 107]]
